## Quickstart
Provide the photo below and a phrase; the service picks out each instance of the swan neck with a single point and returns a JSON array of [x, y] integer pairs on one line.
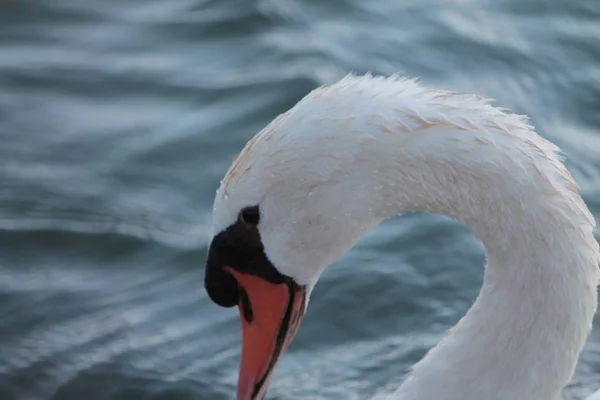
[[522, 337]]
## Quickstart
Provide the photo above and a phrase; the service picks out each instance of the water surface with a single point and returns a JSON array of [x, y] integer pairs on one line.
[[117, 121]]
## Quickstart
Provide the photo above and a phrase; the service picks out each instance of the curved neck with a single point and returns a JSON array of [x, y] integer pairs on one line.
[[349, 155], [522, 337]]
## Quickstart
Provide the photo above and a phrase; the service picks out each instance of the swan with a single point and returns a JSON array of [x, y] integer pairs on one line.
[[307, 187]]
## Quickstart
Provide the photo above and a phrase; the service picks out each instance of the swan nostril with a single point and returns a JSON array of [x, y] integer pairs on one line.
[[245, 305]]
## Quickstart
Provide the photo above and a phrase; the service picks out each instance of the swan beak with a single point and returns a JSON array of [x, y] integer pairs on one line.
[[270, 315]]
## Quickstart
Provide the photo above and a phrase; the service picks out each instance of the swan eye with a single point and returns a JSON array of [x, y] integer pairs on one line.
[[250, 216]]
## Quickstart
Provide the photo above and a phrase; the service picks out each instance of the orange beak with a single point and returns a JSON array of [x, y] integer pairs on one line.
[[270, 315]]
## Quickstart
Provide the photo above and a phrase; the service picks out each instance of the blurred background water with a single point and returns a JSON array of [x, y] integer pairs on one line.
[[118, 118]]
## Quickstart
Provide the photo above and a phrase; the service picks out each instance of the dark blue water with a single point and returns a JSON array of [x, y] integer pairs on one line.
[[118, 118]]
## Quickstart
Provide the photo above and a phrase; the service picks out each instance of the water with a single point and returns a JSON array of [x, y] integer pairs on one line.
[[117, 121]]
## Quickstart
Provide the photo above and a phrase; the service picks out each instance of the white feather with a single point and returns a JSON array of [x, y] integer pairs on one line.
[[352, 154]]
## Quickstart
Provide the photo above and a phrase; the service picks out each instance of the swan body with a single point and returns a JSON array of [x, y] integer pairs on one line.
[[307, 187]]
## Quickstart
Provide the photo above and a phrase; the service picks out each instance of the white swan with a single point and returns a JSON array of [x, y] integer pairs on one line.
[[347, 156]]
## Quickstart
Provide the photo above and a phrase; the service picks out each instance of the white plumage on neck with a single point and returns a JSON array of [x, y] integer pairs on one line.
[[349, 155]]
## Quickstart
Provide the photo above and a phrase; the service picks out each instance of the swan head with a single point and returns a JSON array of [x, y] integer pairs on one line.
[[307, 187], [284, 211], [276, 226]]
